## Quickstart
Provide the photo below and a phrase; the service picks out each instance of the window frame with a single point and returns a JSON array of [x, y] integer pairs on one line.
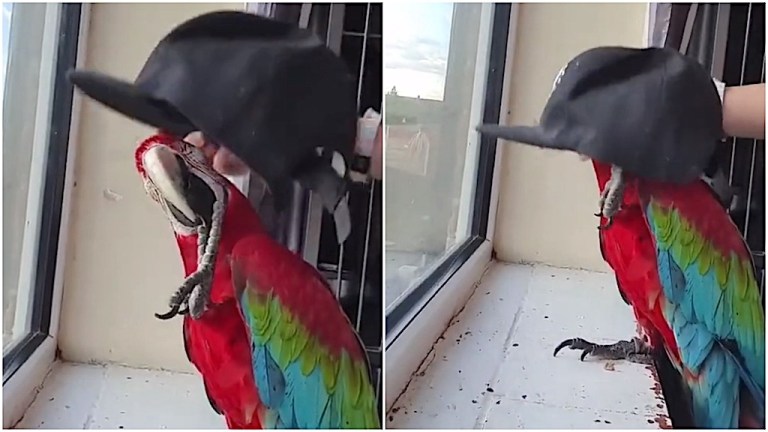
[[419, 296], [412, 326], [27, 362]]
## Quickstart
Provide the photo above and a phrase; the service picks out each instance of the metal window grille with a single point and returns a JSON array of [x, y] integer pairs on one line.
[[354, 269], [729, 39]]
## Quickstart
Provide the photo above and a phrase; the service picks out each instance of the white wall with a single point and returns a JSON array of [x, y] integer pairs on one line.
[[548, 198], [122, 258]]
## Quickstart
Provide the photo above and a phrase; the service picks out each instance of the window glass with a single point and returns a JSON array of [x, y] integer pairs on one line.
[[435, 72], [30, 36]]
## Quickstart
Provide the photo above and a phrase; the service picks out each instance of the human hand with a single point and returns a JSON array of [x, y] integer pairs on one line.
[[227, 163], [222, 160]]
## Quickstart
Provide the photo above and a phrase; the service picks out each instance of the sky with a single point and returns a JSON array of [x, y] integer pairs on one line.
[[417, 36]]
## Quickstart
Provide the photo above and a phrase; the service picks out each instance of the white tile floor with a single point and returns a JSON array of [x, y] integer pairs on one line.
[[494, 367], [77, 396]]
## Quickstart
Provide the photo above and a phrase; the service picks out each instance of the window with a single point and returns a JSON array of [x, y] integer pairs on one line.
[[39, 46], [443, 76]]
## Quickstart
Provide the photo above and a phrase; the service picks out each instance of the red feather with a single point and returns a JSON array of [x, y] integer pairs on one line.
[[629, 249], [218, 344], [300, 288]]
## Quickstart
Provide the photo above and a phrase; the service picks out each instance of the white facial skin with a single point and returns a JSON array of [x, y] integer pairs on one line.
[[166, 185]]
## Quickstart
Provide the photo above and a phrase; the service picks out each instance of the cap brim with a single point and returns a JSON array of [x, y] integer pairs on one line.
[[531, 135], [125, 98]]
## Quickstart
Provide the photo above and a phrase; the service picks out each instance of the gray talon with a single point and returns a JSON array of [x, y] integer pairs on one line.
[[198, 300], [611, 196]]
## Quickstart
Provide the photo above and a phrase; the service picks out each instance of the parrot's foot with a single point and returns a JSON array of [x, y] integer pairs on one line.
[[611, 197], [635, 350], [193, 294]]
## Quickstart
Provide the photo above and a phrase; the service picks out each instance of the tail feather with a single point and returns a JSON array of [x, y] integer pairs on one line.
[[755, 392], [750, 417], [723, 396]]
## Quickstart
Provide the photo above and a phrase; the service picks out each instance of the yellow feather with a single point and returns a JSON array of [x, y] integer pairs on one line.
[[696, 247], [721, 269], [352, 378], [705, 260], [739, 277], [329, 372], [309, 358], [300, 343], [275, 312]]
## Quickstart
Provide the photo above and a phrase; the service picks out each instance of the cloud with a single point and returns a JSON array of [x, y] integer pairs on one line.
[[420, 54], [416, 48]]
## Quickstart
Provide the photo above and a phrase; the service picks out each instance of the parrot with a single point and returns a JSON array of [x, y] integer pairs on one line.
[[650, 119], [684, 267], [263, 328]]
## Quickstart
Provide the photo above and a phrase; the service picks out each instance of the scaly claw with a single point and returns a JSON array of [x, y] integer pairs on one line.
[[196, 289], [607, 224], [634, 350], [168, 315], [611, 197], [198, 300], [200, 283]]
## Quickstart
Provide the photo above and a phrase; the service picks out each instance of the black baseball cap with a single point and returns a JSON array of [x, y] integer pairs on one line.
[[653, 112], [269, 91]]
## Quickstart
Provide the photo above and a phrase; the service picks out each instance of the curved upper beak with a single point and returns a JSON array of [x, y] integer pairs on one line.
[[168, 173]]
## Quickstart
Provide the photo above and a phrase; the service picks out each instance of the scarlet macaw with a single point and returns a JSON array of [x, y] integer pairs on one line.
[[649, 119], [263, 328]]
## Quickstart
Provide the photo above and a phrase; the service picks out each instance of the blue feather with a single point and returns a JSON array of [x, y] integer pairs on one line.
[[269, 378], [307, 400], [697, 309], [752, 386]]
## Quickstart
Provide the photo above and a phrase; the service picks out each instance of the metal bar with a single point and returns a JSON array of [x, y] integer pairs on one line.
[[721, 40], [359, 93], [753, 163], [335, 27], [360, 294], [688, 30], [305, 14], [313, 208], [362, 55], [741, 82]]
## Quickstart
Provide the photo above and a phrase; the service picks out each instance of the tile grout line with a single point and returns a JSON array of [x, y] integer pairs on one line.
[[482, 418], [102, 386]]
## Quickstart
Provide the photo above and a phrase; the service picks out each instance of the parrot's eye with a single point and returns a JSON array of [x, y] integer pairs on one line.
[[193, 153]]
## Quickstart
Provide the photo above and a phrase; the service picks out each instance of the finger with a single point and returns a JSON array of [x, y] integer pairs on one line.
[[198, 140], [225, 162]]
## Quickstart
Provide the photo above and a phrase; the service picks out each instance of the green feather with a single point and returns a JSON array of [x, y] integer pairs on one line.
[[351, 396], [739, 313]]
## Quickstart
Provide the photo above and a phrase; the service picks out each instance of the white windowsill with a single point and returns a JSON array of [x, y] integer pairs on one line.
[[79, 396], [504, 339]]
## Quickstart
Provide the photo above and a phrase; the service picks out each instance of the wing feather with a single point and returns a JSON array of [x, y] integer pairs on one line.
[[303, 383], [711, 302]]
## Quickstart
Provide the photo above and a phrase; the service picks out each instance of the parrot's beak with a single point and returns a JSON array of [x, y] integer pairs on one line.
[[170, 175]]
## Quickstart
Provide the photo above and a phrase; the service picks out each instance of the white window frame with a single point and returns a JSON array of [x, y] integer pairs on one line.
[[404, 355], [19, 391]]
